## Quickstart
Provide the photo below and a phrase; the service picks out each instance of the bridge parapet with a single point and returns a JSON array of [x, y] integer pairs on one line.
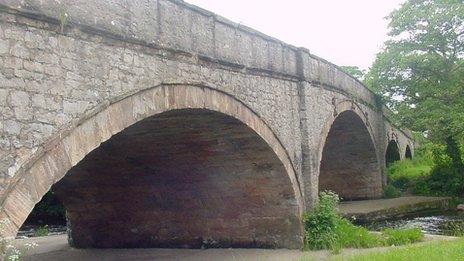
[[179, 26]]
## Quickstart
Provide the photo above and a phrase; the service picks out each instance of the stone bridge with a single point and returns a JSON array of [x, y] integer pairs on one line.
[[158, 123]]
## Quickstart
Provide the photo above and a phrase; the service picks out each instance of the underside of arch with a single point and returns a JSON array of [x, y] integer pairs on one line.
[[393, 153], [408, 154], [185, 178], [349, 164], [180, 166]]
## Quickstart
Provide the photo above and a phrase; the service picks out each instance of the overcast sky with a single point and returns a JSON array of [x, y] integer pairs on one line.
[[345, 32]]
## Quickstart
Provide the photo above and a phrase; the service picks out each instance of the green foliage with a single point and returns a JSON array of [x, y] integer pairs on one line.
[[402, 236], [447, 174], [407, 174], [355, 71], [421, 187], [437, 170], [353, 236], [420, 72], [320, 224], [325, 229], [41, 231], [391, 191]]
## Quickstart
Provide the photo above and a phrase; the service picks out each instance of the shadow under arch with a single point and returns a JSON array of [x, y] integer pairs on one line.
[[348, 160], [121, 115], [407, 153], [392, 153]]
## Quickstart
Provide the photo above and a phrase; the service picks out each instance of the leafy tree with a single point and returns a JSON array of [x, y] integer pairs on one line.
[[420, 72], [355, 71]]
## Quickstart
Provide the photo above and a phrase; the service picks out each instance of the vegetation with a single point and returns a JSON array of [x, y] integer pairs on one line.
[[8, 251], [42, 231], [436, 170], [420, 71], [420, 76], [391, 191], [325, 229], [355, 71], [439, 250]]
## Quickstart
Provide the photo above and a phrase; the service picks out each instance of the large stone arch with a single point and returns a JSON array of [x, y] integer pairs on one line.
[[73, 145], [348, 158], [392, 152]]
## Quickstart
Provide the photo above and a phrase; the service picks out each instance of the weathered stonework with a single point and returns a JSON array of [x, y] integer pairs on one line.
[[75, 74]]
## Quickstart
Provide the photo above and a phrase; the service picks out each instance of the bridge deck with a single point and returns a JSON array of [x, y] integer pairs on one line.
[[379, 209]]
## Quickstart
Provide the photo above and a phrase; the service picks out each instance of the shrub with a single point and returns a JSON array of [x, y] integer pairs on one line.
[[436, 170], [320, 224], [421, 187], [326, 229], [391, 191], [41, 231]]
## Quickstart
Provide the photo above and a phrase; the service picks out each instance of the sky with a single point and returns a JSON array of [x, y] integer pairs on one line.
[[344, 32]]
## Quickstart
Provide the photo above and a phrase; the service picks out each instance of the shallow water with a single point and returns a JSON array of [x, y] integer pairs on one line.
[[30, 230], [433, 223]]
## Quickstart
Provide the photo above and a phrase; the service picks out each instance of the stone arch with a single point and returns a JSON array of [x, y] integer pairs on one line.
[[408, 153], [72, 146], [348, 162], [392, 153]]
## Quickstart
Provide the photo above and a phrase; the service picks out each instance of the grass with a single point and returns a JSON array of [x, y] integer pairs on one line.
[[404, 174], [351, 236], [326, 229], [439, 251], [397, 237]]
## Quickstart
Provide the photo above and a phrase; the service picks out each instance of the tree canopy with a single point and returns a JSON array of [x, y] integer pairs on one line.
[[355, 71], [420, 72]]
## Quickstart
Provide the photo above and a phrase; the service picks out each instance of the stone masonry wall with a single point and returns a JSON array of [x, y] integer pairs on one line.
[[62, 62]]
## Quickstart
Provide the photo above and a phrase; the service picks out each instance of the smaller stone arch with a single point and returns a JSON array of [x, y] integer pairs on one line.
[[348, 158], [393, 153], [408, 153]]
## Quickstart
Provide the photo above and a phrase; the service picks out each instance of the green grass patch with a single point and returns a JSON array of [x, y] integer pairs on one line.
[[326, 229], [397, 237], [405, 174], [349, 235], [433, 251]]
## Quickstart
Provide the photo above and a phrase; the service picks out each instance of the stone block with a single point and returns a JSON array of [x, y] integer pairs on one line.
[[175, 26], [202, 32], [20, 98]]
